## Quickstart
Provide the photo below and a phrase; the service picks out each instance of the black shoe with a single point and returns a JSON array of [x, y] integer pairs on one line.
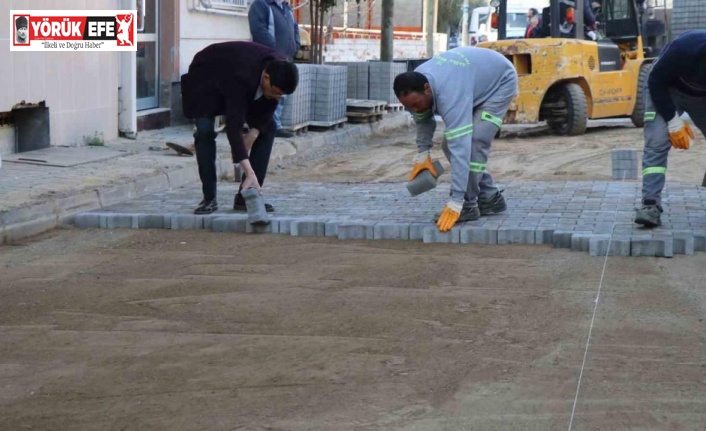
[[239, 205], [281, 133], [649, 214], [206, 207], [468, 213], [493, 205]]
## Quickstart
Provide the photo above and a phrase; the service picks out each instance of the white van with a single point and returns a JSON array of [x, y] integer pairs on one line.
[[480, 30]]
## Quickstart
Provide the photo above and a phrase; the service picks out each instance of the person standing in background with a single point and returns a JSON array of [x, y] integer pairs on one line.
[[272, 24]]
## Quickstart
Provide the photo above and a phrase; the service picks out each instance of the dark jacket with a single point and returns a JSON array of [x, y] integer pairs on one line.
[[286, 31], [681, 64], [223, 79]]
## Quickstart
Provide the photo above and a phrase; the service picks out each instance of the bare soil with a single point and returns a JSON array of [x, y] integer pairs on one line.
[[179, 330]]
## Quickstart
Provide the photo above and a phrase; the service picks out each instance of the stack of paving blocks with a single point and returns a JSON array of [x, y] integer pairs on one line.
[[358, 78], [296, 112], [625, 163], [382, 76], [329, 88]]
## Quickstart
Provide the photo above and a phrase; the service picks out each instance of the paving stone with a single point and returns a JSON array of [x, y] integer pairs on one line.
[[416, 231], [88, 221], [683, 242], [508, 235], [478, 235], [229, 224], [307, 228], [119, 221], [700, 241], [434, 235], [331, 228], [598, 246], [186, 221], [580, 241], [284, 224], [154, 221], [561, 239], [398, 231], [356, 231], [656, 246], [543, 236]]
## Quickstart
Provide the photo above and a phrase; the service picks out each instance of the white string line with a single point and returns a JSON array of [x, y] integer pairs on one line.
[[595, 305]]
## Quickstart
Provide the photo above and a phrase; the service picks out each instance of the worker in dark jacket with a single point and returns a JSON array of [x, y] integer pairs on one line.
[[243, 81], [677, 84]]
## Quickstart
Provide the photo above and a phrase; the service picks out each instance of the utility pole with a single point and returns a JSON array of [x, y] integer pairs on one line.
[[430, 27], [387, 30], [464, 26]]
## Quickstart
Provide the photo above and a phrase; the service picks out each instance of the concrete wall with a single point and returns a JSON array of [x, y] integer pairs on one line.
[[80, 88], [200, 29]]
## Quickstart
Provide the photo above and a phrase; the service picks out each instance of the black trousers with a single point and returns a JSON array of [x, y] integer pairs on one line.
[[205, 142]]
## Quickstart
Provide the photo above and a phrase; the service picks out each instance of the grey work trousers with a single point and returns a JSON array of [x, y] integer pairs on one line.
[[657, 143], [487, 120]]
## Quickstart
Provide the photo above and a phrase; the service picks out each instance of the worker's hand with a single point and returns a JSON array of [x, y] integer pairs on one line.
[[250, 177], [449, 216], [421, 162], [680, 133]]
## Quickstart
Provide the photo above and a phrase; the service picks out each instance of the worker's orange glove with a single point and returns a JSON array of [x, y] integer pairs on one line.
[[449, 216], [421, 162], [680, 133]]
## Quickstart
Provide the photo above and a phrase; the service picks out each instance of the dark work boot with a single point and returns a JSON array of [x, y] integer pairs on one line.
[[468, 213], [649, 214], [493, 205], [207, 207]]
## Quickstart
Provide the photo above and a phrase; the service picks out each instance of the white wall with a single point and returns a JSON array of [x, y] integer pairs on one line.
[[200, 29], [80, 88], [369, 49]]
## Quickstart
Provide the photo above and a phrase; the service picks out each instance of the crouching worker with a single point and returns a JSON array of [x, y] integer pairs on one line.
[[471, 89], [677, 84], [243, 81]]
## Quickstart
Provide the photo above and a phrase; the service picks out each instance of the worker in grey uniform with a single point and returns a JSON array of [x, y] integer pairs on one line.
[[677, 84], [471, 89]]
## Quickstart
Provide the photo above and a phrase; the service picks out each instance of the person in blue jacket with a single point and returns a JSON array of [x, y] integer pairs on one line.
[[676, 84], [272, 24]]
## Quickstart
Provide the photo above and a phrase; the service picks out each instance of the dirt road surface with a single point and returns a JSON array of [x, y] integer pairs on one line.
[[179, 330], [540, 156]]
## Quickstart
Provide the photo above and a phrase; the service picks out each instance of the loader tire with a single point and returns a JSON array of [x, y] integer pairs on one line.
[[638, 113], [574, 121]]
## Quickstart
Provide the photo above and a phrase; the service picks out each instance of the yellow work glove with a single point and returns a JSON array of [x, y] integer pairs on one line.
[[449, 216], [422, 161], [680, 133]]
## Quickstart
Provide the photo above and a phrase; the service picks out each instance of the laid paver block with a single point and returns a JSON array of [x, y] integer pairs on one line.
[[562, 239], [356, 231], [598, 246], [154, 221], [416, 230], [119, 221], [307, 228], [186, 221], [656, 246], [398, 231], [434, 235], [478, 235], [88, 221], [331, 228], [699, 241], [580, 241], [543, 236], [284, 224], [509, 235], [229, 224], [683, 242]]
